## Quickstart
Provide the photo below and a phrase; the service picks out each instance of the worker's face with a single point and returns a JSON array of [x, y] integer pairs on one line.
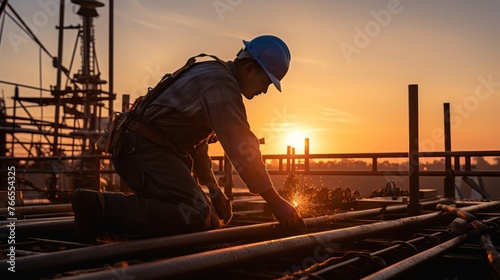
[[254, 80]]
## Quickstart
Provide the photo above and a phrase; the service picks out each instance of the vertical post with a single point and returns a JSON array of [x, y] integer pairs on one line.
[[2, 6], [12, 139], [449, 180], [125, 101], [57, 102], [123, 186], [3, 135], [288, 157], [60, 45], [414, 206], [228, 178], [57, 91], [457, 163], [111, 56], [306, 155], [293, 159], [468, 163]]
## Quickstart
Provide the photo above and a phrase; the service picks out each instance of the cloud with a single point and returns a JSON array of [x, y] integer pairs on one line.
[[198, 23], [333, 115], [142, 22], [279, 126], [195, 23], [135, 3], [157, 19], [310, 61]]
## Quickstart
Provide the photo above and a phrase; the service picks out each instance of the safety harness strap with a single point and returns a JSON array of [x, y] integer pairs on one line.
[[149, 133], [141, 127]]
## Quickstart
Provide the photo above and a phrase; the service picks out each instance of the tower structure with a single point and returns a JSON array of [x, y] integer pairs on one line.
[[60, 144]]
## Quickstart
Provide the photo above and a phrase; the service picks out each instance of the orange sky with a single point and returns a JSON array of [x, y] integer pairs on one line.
[[351, 64]]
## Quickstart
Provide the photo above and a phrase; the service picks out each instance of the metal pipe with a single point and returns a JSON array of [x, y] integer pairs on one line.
[[57, 91], [476, 187], [493, 255], [111, 56], [427, 246], [449, 183], [141, 247], [2, 7], [60, 45], [59, 242], [40, 209], [361, 213], [116, 251], [330, 270], [471, 219], [148, 246], [37, 220], [402, 266], [16, 99], [414, 207], [223, 258], [41, 227]]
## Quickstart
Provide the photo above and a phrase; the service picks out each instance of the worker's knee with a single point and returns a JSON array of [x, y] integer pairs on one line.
[[196, 217], [136, 182]]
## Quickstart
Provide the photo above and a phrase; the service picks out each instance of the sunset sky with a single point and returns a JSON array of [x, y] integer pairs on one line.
[[352, 62]]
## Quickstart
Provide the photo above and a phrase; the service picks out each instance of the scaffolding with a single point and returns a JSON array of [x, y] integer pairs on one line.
[[78, 111]]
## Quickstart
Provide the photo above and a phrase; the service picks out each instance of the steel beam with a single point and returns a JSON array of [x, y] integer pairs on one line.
[[402, 266], [414, 207], [244, 254], [116, 251]]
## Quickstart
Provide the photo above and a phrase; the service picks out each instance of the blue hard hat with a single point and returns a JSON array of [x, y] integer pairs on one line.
[[272, 54]]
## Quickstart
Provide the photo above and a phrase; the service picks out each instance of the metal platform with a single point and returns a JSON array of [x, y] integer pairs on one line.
[[377, 243]]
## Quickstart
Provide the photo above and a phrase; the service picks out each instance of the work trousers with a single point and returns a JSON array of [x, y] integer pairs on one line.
[[166, 198]]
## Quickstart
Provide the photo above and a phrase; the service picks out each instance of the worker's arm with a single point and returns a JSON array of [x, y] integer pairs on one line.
[[202, 166], [202, 171], [226, 112], [290, 219]]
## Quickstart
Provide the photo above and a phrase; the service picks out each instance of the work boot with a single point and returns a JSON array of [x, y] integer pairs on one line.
[[88, 209]]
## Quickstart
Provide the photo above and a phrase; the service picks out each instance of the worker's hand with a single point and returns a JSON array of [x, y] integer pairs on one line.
[[222, 206], [290, 220]]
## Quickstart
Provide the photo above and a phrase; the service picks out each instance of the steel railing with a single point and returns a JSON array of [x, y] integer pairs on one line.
[[283, 164]]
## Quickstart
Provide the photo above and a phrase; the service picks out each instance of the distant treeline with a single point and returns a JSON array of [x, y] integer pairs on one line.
[[478, 163]]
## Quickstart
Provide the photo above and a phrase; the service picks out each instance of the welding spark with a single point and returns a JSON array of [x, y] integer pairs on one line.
[[310, 198]]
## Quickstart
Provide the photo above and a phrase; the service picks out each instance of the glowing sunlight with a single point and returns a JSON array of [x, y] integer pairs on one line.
[[296, 140]]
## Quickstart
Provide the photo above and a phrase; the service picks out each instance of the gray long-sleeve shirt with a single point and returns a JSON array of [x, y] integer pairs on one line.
[[206, 100]]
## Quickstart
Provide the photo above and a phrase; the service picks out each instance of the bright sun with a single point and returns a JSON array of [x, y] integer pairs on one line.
[[296, 140]]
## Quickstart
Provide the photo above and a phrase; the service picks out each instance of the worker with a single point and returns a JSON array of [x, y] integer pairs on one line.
[[204, 102]]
